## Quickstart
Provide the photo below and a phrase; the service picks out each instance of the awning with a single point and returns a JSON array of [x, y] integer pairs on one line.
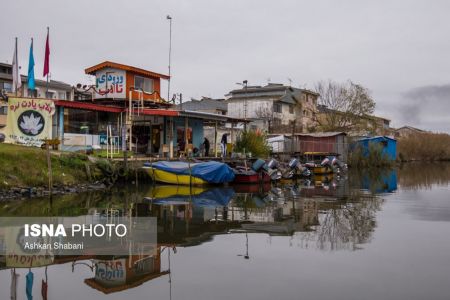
[[88, 106]]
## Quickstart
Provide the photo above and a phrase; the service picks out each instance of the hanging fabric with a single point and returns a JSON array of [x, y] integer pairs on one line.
[[44, 286], [29, 285], [14, 278]]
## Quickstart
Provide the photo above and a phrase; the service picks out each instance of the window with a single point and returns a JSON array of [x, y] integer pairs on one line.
[[276, 121], [7, 86], [3, 110], [277, 107], [49, 95], [145, 84], [62, 95], [291, 108], [32, 93]]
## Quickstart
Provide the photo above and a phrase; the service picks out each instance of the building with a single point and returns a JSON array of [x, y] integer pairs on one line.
[[212, 106], [126, 106], [56, 90], [330, 119], [205, 104], [406, 131], [124, 110], [387, 144], [274, 107], [318, 142], [119, 82]]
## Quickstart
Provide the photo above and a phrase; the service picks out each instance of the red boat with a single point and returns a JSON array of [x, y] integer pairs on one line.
[[243, 175]]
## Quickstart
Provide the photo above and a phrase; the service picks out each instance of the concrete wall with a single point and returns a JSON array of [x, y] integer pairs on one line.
[[260, 109], [76, 139]]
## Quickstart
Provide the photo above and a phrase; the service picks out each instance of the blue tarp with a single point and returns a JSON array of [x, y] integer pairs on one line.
[[215, 197], [211, 171]]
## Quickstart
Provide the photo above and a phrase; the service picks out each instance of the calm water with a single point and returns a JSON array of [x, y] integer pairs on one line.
[[366, 236]]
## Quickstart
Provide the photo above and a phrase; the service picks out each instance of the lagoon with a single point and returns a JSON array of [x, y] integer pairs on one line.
[[366, 235]]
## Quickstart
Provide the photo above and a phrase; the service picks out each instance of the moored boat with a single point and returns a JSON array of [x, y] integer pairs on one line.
[[243, 175], [186, 173]]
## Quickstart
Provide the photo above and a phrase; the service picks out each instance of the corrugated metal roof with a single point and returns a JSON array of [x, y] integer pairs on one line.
[[316, 134], [377, 137], [204, 104]]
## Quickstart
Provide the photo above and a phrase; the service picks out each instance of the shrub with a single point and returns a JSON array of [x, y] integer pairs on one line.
[[254, 142]]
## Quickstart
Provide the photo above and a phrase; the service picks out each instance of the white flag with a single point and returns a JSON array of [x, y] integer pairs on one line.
[[17, 81]]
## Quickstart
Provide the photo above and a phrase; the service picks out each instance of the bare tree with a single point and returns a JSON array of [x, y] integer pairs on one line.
[[265, 113], [344, 106]]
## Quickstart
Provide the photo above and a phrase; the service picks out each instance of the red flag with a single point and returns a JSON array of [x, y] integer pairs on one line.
[[47, 56]]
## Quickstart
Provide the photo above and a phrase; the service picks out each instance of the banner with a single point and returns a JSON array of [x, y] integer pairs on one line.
[[29, 121]]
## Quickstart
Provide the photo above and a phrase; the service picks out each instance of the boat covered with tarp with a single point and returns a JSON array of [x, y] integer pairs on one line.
[[189, 173]]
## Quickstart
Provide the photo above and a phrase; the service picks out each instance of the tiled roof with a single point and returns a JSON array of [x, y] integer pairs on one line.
[[109, 64]]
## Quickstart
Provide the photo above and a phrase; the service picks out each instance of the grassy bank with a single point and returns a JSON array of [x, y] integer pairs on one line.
[[27, 166], [424, 147]]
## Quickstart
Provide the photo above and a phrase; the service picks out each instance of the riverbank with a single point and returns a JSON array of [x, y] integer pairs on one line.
[[24, 172]]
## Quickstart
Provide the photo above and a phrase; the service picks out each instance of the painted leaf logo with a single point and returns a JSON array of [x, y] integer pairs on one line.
[[31, 123]]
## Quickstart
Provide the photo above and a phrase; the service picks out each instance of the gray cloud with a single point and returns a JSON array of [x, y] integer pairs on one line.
[[388, 46], [427, 106]]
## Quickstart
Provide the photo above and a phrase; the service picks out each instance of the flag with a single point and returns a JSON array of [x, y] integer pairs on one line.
[[31, 84], [47, 56], [17, 82]]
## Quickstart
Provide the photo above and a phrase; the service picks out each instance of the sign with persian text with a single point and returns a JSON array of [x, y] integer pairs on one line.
[[110, 83], [29, 121]]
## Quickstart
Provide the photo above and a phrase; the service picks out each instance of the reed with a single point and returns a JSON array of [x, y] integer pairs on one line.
[[372, 158], [424, 147]]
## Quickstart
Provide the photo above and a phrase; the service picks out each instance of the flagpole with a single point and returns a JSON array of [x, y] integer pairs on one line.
[[46, 91]]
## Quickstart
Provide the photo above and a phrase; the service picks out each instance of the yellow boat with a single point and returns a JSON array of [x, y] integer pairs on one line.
[[186, 173], [172, 178], [322, 169], [167, 191]]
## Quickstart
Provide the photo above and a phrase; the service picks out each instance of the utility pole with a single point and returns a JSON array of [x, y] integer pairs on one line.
[[170, 54]]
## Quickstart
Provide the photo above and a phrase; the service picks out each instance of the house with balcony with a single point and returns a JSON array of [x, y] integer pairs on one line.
[[274, 107]]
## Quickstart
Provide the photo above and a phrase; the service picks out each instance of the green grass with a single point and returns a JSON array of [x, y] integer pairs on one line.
[[102, 153], [27, 166]]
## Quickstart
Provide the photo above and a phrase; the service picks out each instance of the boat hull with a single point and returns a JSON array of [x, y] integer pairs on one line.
[[172, 178], [251, 178], [322, 170]]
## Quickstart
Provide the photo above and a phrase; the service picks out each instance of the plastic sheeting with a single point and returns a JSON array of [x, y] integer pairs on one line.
[[211, 171]]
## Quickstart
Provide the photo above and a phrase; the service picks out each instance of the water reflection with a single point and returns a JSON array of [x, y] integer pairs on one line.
[[327, 214], [424, 175]]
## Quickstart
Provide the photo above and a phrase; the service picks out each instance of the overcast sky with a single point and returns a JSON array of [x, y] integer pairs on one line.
[[400, 50]]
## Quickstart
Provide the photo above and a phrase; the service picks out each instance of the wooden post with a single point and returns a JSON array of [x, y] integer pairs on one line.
[[170, 137], [293, 137], [49, 165], [215, 139], [186, 141]]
